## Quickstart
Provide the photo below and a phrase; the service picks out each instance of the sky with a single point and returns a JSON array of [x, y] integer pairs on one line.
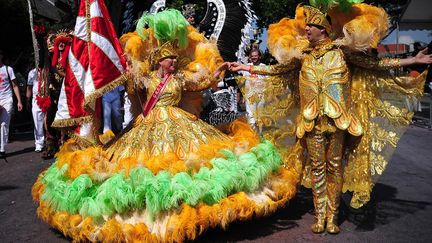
[[409, 37]]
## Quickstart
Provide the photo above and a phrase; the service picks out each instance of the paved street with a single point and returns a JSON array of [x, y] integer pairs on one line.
[[400, 210]]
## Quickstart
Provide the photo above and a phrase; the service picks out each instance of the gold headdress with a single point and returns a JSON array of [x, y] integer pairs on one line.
[[168, 49], [315, 17], [53, 39]]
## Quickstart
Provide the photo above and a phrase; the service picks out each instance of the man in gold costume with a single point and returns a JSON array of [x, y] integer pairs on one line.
[[326, 115]]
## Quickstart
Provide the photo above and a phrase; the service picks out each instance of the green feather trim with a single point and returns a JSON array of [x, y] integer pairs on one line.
[[161, 192], [168, 25], [326, 5]]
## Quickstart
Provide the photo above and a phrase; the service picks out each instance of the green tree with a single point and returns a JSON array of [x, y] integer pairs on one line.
[[271, 11], [15, 39]]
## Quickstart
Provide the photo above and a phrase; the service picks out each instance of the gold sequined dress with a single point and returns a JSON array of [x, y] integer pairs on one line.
[[167, 128], [169, 178]]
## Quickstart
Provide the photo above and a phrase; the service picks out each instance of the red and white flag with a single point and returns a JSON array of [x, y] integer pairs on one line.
[[95, 66]]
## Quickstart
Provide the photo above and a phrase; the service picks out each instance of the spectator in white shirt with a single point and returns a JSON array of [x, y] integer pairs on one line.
[[7, 84], [38, 116]]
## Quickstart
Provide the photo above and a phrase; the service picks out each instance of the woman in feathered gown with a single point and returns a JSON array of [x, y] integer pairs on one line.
[[171, 176]]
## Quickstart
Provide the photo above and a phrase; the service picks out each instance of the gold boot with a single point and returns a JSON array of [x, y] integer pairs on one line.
[[333, 201], [316, 149], [334, 180], [319, 196], [319, 226], [332, 225]]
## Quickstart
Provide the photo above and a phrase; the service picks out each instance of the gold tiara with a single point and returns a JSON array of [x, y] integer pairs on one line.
[[168, 49]]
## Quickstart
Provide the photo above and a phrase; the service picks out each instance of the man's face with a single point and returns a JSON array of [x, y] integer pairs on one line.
[[191, 19], [314, 33], [61, 46], [254, 57]]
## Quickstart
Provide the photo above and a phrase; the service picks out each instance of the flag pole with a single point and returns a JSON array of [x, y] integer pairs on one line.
[[35, 45]]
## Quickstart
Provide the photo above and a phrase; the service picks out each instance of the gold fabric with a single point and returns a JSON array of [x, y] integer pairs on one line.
[[57, 82], [278, 69], [167, 128], [324, 88], [364, 61], [375, 97], [325, 151], [380, 102], [168, 49]]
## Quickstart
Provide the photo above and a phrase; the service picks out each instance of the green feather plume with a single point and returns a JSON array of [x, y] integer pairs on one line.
[[168, 25], [326, 5]]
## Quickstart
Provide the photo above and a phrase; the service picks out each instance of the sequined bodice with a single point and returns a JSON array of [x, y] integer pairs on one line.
[[171, 94]]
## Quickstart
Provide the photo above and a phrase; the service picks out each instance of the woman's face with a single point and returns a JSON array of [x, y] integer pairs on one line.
[[168, 64], [61, 46]]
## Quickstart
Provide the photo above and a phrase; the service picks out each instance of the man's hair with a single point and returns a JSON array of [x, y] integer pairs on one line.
[[255, 50]]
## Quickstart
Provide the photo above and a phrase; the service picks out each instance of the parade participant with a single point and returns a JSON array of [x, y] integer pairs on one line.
[[332, 106], [59, 45], [254, 86], [169, 176], [7, 84], [38, 115]]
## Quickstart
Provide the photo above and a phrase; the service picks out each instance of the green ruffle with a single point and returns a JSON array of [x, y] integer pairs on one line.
[[161, 192]]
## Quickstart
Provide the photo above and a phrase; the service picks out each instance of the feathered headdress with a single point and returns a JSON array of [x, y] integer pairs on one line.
[[170, 29], [355, 25], [153, 31], [168, 25], [53, 41], [315, 17]]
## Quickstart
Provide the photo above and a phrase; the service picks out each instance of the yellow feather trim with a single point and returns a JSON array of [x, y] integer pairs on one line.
[[203, 52], [286, 38], [362, 28]]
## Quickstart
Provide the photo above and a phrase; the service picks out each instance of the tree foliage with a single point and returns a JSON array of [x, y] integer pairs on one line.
[[271, 11], [15, 40], [267, 11]]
